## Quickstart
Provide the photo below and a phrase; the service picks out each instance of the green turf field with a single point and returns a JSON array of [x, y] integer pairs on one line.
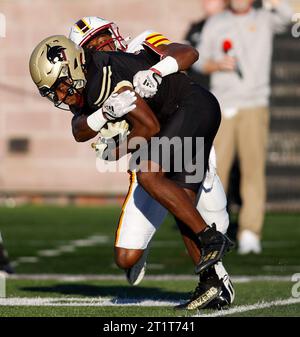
[[59, 241]]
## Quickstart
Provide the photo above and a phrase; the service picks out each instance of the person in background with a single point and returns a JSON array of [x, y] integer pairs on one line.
[[193, 36], [236, 50]]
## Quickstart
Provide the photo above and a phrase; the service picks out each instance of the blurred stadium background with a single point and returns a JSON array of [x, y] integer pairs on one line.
[[40, 163]]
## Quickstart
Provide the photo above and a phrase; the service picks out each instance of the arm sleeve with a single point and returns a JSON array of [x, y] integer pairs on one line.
[[281, 17], [156, 39]]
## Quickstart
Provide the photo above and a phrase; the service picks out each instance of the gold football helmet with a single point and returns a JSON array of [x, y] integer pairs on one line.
[[57, 59]]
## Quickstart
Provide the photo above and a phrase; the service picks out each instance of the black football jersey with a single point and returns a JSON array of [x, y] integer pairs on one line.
[[183, 108], [106, 70]]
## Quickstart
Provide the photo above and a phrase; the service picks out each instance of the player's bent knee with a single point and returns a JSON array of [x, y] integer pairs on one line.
[[127, 258]]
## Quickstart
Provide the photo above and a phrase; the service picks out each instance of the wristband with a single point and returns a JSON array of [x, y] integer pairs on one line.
[[166, 66], [96, 120]]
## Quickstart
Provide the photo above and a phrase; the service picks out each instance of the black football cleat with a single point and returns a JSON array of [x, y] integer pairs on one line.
[[225, 299], [208, 289], [214, 291], [227, 294], [213, 246], [4, 261], [7, 268]]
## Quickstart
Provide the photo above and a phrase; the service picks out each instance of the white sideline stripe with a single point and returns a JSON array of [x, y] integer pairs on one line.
[[166, 277], [256, 306], [83, 302], [108, 302]]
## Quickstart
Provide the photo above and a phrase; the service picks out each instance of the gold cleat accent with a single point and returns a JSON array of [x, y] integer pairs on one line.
[[205, 298]]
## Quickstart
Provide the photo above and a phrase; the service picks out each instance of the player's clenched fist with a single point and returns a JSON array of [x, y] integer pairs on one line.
[[146, 82]]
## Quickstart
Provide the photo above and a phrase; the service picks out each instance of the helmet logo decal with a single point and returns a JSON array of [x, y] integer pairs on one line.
[[83, 26], [55, 54]]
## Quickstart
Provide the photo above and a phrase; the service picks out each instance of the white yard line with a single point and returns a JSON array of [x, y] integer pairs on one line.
[[69, 247], [256, 306], [166, 277], [108, 302], [83, 302], [272, 268]]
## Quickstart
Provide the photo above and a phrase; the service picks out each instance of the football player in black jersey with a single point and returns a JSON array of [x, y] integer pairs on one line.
[[136, 219], [179, 109]]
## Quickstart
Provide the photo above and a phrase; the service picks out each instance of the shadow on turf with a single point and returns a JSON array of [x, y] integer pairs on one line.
[[120, 292]]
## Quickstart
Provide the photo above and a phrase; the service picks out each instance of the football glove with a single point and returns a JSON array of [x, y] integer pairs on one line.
[[110, 136], [118, 105], [100, 146], [146, 82], [111, 130]]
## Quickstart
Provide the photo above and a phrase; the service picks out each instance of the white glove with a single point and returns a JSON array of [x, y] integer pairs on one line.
[[146, 83], [118, 105]]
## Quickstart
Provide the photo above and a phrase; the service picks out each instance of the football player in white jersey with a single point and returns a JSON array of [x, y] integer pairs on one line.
[[140, 211]]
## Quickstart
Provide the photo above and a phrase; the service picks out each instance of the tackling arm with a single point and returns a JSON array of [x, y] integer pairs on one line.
[[116, 106], [184, 55], [175, 57]]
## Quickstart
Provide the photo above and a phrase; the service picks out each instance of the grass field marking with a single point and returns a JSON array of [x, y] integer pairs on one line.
[[69, 247], [109, 302], [256, 306], [84, 302], [165, 277], [273, 268]]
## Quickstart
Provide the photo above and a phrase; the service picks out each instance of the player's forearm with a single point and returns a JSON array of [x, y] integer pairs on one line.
[[81, 131], [184, 55], [144, 126], [142, 133]]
